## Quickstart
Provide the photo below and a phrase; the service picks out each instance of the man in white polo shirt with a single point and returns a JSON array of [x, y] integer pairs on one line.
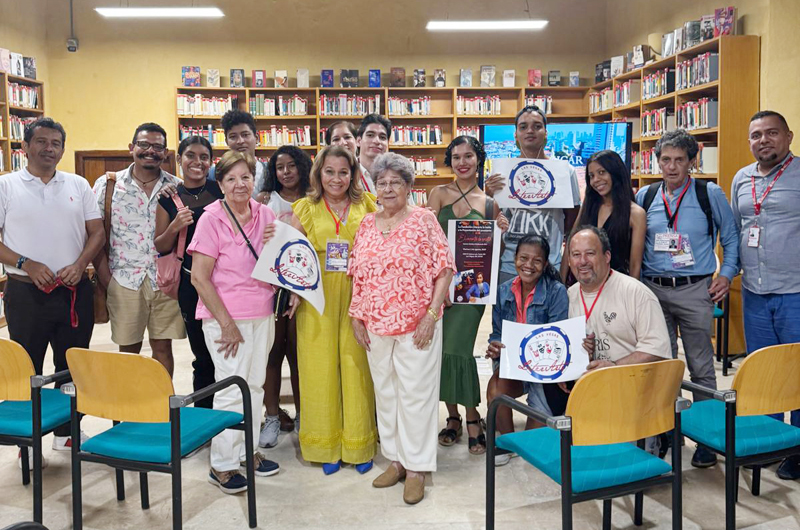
[[51, 229]]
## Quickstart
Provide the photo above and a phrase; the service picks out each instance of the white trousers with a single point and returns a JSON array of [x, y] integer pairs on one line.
[[250, 363], [406, 382]]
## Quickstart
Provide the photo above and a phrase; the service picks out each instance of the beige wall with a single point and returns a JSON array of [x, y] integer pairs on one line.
[[23, 30]]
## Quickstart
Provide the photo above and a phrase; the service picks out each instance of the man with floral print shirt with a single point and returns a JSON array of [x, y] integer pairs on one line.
[[129, 270]]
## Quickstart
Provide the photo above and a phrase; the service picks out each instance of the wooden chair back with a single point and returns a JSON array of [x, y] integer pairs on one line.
[[625, 403], [768, 381], [16, 369], [120, 386]]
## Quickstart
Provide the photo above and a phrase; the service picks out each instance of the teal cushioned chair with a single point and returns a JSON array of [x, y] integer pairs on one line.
[[734, 422], [29, 411], [595, 451], [153, 428]]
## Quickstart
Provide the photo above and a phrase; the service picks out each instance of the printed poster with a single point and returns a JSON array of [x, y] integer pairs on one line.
[[534, 183], [549, 353], [289, 260], [475, 244]]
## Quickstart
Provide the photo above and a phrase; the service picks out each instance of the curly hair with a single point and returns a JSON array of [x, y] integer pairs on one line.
[[473, 142], [301, 160], [235, 117]]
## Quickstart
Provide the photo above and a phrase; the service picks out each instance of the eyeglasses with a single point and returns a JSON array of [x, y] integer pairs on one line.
[[394, 184], [144, 146]]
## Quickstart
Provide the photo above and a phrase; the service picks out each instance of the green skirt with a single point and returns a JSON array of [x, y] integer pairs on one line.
[[459, 381]]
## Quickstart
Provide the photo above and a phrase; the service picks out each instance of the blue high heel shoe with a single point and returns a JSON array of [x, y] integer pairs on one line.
[[330, 469], [363, 468]]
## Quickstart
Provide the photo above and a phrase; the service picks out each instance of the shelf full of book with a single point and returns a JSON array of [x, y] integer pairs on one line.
[[424, 120], [21, 102]]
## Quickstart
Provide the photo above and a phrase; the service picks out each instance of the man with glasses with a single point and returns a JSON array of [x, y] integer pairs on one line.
[[128, 270], [241, 135]]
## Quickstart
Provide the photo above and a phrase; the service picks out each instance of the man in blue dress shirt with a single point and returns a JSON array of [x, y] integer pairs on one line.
[[679, 259]]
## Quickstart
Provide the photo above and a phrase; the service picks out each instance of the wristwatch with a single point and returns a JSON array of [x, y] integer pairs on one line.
[[21, 261], [434, 314]]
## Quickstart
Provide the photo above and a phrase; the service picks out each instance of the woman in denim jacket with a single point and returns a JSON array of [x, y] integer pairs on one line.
[[535, 296]]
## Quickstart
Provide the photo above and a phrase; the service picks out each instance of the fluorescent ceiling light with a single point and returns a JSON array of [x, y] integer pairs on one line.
[[160, 12], [485, 25]]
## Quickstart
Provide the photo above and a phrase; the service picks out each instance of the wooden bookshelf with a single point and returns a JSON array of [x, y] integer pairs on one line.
[[569, 104], [7, 110]]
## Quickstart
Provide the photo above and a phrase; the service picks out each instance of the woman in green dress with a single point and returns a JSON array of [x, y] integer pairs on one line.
[[462, 199]]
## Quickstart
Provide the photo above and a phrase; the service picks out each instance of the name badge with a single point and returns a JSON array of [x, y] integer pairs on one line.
[[683, 257], [337, 253], [753, 236], [667, 242]]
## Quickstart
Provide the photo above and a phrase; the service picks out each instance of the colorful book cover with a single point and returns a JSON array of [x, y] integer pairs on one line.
[[302, 78], [281, 79], [439, 77], [374, 78], [465, 77], [554, 78], [29, 67], [574, 79], [419, 77], [725, 21], [344, 78], [212, 77], [487, 76], [190, 75], [353, 77], [509, 78], [237, 77], [259, 78], [398, 78], [707, 27], [326, 78], [5, 60]]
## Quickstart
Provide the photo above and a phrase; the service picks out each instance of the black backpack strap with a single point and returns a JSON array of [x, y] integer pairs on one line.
[[649, 195], [701, 189]]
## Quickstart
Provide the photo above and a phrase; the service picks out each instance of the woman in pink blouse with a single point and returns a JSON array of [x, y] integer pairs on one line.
[[401, 267]]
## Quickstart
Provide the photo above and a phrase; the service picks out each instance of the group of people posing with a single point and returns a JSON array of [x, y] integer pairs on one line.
[[389, 346]]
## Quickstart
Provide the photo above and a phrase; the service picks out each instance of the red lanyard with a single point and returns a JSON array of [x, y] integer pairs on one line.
[[588, 312], [757, 203], [672, 218], [73, 292], [336, 219], [364, 182]]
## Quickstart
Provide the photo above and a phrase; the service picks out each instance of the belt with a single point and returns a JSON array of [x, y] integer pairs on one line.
[[672, 281], [27, 279], [73, 293]]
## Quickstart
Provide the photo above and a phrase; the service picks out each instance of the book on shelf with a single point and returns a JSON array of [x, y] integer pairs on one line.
[[724, 21], [659, 83], [478, 105], [199, 105], [657, 121], [302, 78], [509, 78], [411, 135], [700, 114], [419, 77], [627, 92], [398, 77], [375, 78], [617, 65], [418, 197], [707, 158], [190, 76], [641, 54], [465, 77], [544, 103], [5, 61], [697, 71], [534, 77], [678, 38], [212, 77], [259, 78], [349, 105], [598, 73], [469, 130], [692, 34], [420, 106], [439, 77], [667, 44], [29, 67], [326, 78], [574, 78], [237, 77], [348, 78], [21, 95], [554, 78], [424, 165], [281, 79], [16, 64], [629, 62], [706, 27], [487, 76]]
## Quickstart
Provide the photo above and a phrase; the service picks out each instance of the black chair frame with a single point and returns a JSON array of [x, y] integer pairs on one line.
[[722, 336], [732, 462], [174, 467], [35, 441], [563, 424]]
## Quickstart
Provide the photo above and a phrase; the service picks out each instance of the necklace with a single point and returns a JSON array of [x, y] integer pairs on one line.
[[395, 219], [196, 195], [142, 182]]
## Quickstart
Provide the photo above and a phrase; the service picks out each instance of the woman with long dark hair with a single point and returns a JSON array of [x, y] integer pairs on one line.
[[610, 204]]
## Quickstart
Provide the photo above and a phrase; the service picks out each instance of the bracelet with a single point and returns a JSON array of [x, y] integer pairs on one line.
[[21, 261], [434, 314]]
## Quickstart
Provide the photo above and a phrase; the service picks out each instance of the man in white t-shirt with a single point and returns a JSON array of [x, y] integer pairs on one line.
[[622, 314], [51, 229]]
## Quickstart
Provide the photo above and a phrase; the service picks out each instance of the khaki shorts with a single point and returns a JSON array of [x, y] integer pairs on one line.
[[131, 312]]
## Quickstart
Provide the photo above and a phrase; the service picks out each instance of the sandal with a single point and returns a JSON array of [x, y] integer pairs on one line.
[[448, 437], [477, 445]]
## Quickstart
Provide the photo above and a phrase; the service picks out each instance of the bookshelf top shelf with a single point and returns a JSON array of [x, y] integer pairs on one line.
[[25, 109], [24, 80], [419, 117], [605, 84], [557, 88], [187, 89]]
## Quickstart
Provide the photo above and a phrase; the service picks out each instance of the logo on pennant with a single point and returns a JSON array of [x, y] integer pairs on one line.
[[296, 265], [531, 183], [545, 353]]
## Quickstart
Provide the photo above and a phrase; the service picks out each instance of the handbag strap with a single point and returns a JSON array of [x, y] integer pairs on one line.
[[182, 234], [249, 245], [111, 182]]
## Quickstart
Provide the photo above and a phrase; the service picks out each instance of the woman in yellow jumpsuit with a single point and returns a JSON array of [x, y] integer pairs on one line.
[[337, 403]]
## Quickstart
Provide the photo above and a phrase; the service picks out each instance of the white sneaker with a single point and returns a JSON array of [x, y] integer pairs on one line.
[[297, 423], [503, 458], [64, 443], [30, 460], [269, 434]]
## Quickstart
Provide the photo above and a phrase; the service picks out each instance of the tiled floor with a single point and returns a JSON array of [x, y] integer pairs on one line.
[[301, 497]]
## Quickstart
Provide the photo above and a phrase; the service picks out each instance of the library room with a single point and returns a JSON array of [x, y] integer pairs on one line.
[[399, 264]]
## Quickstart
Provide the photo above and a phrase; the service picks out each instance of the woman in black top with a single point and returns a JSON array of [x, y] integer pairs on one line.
[[196, 192], [610, 204]]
